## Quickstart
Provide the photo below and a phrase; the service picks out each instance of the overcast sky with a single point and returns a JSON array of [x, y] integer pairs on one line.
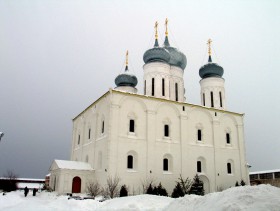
[[59, 56]]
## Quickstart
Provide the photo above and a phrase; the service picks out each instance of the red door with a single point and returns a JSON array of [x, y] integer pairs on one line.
[[76, 185]]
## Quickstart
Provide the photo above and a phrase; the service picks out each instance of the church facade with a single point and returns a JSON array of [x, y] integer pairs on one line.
[[156, 136]]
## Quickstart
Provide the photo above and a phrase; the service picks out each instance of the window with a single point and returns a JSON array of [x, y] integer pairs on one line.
[[203, 99], [165, 164], [153, 86], [229, 168], [221, 102], [130, 162], [266, 176], [163, 88], [176, 91], [89, 133], [102, 130], [212, 99], [79, 137], [131, 126], [166, 130], [183, 108], [198, 166], [254, 176], [277, 175], [145, 88], [199, 134], [228, 138]]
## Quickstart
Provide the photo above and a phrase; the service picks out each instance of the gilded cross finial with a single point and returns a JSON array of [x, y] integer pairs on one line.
[[156, 30], [209, 46], [166, 29], [126, 58]]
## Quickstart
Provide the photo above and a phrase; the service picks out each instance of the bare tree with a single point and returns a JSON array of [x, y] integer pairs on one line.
[[185, 184], [112, 188], [94, 189], [147, 182], [11, 178]]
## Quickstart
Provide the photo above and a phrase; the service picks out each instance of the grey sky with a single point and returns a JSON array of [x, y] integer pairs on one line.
[[57, 57]]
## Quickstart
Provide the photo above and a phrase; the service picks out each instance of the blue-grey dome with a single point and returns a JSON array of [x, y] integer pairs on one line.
[[177, 58], [211, 70], [126, 79], [156, 54], [167, 54]]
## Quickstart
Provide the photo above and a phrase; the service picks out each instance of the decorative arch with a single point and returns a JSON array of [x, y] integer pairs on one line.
[[76, 185], [205, 111], [206, 183], [163, 104], [128, 98]]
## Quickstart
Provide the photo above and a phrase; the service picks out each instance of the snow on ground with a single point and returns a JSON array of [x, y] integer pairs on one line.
[[255, 198]]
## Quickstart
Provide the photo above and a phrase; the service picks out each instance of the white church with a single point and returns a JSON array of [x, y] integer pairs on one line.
[[156, 136]]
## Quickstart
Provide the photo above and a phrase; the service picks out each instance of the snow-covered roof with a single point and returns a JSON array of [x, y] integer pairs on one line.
[[265, 171], [22, 185], [73, 165]]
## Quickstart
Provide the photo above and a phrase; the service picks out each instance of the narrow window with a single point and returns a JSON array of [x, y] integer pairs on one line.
[[176, 91], [145, 88], [229, 168], [166, 130], [165, 164], [183, 108], [153, 86], [79, 137], [130, 162], [102, 127], [199, 135], [131, 125], [89, 133], [163, 88], [221, 102], [212, 100], [228, 138], [198, 166], [203, 96]]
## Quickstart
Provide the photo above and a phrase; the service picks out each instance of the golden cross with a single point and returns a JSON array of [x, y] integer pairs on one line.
[[166, 30], [156, 29], [126, 58], [209, 46]]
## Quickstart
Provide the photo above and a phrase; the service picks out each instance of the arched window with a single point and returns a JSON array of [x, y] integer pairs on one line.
[[221, 102], [198, 166], [131, 126], [176, 91], [163, 87], [199, 135], [228, 138], [166, 130], [145, 88], [203, 98], [212, 99], [153, 86], [89, 131], [130, 162], [165, 164], [229, 168], [103, 127], [79, 139]]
